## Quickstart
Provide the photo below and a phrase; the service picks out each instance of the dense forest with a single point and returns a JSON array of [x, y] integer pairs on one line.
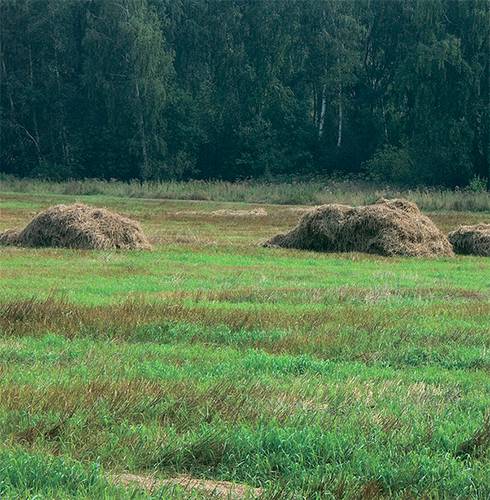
[[396, 90]]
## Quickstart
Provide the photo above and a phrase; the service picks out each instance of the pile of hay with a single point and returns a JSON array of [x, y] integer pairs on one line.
[[387, 227], [9, 237], [256, 212], [471, 240], [78, 226]]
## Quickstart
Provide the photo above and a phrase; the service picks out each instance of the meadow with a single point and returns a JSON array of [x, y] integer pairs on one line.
[[355, 191], [306, 375]]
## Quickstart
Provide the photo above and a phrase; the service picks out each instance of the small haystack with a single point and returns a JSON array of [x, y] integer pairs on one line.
[[78, 226], [387, 227], [9, 237], [471, 240]]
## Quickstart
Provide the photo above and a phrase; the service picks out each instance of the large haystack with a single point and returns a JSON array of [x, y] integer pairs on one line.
[[387, 227], [471, 240], [78, 226]]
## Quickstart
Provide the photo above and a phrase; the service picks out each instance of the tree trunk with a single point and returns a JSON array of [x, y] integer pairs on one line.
[[141, 128], [62, 133], [9, 92], [385, 127], [341, 118], [323, 109], [35, 137], [13, 120], [314, 113]]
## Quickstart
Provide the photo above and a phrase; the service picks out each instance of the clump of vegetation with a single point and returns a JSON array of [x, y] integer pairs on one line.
[[391, 164], [471, 240], [317, 191], [387, 227], [79, 226], [478, 184]]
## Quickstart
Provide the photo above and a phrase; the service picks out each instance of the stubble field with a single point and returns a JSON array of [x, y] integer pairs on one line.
[[306, 375]]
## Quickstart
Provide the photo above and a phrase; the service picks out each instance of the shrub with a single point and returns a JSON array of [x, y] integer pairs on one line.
[[392, 164], [478, 184]]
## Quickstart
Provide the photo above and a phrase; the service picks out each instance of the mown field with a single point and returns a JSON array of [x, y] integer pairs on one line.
[[306, 375]]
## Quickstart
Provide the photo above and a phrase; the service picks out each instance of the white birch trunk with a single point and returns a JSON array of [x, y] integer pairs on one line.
[[321, 122], [141, 127], [384, 118], [35, 139], [341, 119], [64, 142]]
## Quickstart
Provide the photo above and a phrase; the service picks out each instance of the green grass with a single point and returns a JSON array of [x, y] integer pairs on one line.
[[296, 192], [309, 375]]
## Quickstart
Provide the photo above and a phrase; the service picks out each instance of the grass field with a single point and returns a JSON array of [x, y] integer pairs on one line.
[[307, 375]]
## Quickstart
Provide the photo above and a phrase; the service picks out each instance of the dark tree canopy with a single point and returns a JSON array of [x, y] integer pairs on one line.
[[158, 89]]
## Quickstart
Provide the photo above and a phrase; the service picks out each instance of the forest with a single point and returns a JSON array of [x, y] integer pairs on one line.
[[392, 90]]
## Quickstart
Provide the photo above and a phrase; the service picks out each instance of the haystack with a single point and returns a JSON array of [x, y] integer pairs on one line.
[[387, 227], [78, 226], [9, 237], [471, 240]]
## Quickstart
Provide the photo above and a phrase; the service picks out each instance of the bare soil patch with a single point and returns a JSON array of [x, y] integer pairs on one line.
[[219, 489]]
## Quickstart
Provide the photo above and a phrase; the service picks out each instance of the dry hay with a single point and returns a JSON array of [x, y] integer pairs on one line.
[[471, 240], [387, 227], [255, 212], [224, 212], [9, 237], [78, 226]]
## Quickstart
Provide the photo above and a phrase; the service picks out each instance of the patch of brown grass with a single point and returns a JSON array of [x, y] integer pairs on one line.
[[35, 317], [479, 444]]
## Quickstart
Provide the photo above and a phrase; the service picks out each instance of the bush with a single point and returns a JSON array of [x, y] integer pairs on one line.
[[391, 164], [478, 184]]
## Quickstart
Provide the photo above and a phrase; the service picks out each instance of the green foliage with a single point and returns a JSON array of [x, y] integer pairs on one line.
[[26, 475], [392, 164], [478, 184], [153, 90]]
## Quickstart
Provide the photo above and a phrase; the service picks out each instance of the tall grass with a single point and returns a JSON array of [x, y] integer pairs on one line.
[[307, 193]]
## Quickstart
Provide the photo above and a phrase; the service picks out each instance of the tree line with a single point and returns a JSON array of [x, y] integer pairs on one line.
[[397, 90]]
